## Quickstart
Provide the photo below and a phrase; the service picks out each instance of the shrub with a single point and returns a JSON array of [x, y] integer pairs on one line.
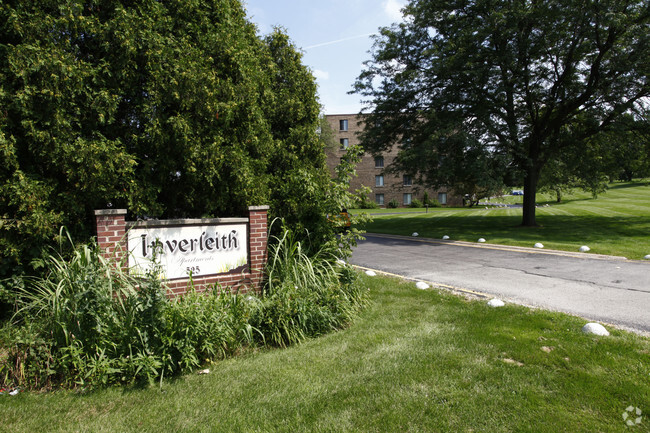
[[88, 323], [305, 296], [431, 202], [89, 319], [415, 203], [210, 325], [393, 204], [367, 204], [362, 200]]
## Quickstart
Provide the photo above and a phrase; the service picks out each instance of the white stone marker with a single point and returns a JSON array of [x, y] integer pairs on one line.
[[595, 328], [539, 245], [445, 237], [421, 285], [496, 303], [481, 240], [415, 234], [371, 273], [584, 249]]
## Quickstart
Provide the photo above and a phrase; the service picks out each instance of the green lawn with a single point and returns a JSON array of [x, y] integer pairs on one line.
[[616, 223], [415, 361]]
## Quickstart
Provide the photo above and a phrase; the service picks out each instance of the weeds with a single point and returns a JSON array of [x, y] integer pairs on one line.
[[89, 323], [305, 296]]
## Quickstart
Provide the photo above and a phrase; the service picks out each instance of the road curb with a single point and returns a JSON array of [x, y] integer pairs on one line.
[[435, 285], [482, 295], [526, 250]]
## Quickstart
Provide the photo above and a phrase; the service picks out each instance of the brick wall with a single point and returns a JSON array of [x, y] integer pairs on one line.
[[111, 228]]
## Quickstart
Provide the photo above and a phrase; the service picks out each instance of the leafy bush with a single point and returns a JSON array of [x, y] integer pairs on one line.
[[88, 323], [209, 325], [367, 204], [362, 200], [393, 204], [85, 322], [415, 203], [431, 202], [305, 296]]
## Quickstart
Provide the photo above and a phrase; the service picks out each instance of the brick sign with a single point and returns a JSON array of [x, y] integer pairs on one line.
[[184, 249], [225, 251]]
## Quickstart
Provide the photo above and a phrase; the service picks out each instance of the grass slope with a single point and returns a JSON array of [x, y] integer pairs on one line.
[[616, 223], [416, 361]]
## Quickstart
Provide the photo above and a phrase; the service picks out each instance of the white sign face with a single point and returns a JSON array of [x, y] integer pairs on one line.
[[199, 250]]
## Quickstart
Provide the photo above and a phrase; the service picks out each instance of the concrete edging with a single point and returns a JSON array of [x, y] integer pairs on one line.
[[528, 250]]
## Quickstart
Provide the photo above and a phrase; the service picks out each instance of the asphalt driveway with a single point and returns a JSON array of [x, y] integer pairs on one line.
[[601, 288]]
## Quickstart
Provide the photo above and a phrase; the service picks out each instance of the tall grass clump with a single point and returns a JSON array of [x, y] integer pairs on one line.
[[207, 326], [74, 320], [305, 295], [87, 322]]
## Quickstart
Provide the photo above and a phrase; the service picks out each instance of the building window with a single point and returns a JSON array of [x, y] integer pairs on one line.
[[442, 197], [345, 143], [379, 199], [407, 199], [343, 125], [407, 180], [379, 162], [379, 180]]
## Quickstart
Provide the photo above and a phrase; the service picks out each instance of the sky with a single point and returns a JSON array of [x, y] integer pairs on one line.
[[334, 36]]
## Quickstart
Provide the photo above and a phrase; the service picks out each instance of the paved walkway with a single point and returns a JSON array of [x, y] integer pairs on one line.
[[602, 288]]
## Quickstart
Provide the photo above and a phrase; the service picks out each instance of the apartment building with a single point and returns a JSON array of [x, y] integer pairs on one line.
[[370, 170]]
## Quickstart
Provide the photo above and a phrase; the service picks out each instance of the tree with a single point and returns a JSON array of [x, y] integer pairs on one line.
[[297, 169], [167, 108], [457, 161], [327, 135], [525, 79], [570, 171], [621, 152], [626, 148]]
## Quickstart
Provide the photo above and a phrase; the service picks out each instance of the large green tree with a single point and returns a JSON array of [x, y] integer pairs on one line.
[[626, 148], [173, 108], [622, 152], [297, 167], [526, 79]]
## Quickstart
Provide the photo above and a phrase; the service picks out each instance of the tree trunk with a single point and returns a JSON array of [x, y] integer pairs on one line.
[[530, 190]]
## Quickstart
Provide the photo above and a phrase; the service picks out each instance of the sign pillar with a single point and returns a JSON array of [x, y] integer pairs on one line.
[[110, 225], [258, 234]]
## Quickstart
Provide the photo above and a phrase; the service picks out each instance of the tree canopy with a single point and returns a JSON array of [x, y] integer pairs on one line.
[[524, 80], [169, 108]]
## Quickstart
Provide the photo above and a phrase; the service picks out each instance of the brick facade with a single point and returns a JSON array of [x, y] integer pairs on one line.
[[394, 186], [112, 227]]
